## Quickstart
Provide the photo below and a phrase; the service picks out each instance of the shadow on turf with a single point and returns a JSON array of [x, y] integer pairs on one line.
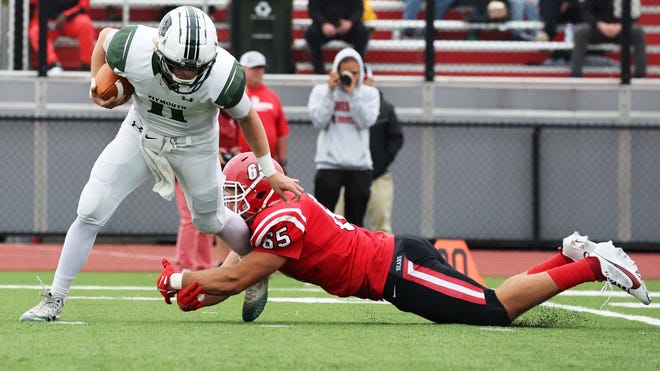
[[541, 317], [538, 317]]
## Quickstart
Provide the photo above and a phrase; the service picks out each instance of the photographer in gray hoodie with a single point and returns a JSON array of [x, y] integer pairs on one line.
[[343, 110]]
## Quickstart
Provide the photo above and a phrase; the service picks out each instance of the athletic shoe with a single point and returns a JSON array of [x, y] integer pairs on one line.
[[49, 309], [255, 300], [576, 246], [542, 36], [54, 69], [620, 270]]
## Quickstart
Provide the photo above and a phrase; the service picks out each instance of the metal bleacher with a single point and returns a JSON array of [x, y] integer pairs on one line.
[[494, 54]]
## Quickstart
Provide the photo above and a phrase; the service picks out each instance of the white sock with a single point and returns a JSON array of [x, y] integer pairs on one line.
[[77, 246]]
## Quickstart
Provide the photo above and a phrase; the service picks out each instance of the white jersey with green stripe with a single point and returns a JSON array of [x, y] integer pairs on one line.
[[130, 51]]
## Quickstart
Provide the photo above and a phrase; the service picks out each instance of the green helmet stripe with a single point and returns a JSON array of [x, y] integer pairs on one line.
[[192, 47]]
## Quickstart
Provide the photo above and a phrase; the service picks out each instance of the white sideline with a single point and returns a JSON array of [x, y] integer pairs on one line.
[[310, 300], [311, 288], [636, 305], [605, 313], [144, 288], [331, 300]]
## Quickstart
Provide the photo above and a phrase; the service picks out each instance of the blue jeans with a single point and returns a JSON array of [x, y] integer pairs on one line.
[[412, 8], [524, 10]]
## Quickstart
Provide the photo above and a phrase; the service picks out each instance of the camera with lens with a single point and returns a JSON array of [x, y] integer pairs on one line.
[[345, 79]]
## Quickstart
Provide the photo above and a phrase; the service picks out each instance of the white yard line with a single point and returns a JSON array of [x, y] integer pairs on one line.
[[147, 288], [311, 288], [636, 305], [605, 313], [582, 293], [333, 300]]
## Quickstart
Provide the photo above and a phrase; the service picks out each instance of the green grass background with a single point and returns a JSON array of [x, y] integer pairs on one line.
[[115, 334]]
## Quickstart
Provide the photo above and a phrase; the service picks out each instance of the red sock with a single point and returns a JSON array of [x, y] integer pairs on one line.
[[556, 261], [573, 274]]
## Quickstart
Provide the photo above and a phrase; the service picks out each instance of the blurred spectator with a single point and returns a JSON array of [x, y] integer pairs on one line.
[[603, 25], [412, 8], [343, 109], [489, 11], [229, 131], [162, 11], [522, 10], [113, 13], [335, 20], [166, 9], [369, 15], [480, 11], [65, 18], [554, 12], [385, 141], [267, 104]]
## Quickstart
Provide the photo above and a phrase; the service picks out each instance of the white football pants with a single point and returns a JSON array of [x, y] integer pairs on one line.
[[121, 168]]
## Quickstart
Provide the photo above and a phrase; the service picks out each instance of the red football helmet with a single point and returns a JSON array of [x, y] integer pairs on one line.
[[247, 191]]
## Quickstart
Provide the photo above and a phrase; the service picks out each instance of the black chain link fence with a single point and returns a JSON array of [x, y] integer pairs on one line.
[[522, 185]]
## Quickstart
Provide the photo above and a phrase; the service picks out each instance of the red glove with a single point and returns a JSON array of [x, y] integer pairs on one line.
[[189, 298], [163, 281]]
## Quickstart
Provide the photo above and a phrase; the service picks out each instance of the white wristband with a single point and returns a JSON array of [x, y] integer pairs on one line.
[[176, 280], [266, 164]]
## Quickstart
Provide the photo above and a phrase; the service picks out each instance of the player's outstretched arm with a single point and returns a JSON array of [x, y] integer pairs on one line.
[[231, 280], [190, 297], [211, 286]]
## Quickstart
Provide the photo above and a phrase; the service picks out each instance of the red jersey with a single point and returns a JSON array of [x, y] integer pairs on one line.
[[269, 109], [324, 249]]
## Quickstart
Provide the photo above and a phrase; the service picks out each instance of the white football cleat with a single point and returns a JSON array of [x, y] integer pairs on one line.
[[47, 310], [255, 300], [620, 270], [576, 246]]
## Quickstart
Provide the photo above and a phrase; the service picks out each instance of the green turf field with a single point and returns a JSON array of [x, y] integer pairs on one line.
[[118, 321]]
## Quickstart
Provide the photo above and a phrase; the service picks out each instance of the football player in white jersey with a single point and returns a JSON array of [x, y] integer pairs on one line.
[[181, 78]]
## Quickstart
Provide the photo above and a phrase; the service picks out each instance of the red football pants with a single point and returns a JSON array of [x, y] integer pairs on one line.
[[80, 28]]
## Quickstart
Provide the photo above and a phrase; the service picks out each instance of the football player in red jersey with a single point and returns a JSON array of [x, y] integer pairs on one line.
[[306, 241]]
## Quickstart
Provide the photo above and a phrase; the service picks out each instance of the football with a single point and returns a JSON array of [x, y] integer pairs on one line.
[[109, 84]]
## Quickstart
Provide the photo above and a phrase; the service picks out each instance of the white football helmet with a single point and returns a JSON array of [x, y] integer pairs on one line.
[[187, 39]]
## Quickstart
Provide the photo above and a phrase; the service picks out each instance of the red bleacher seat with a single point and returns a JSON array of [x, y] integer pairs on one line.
[[411, 61]]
